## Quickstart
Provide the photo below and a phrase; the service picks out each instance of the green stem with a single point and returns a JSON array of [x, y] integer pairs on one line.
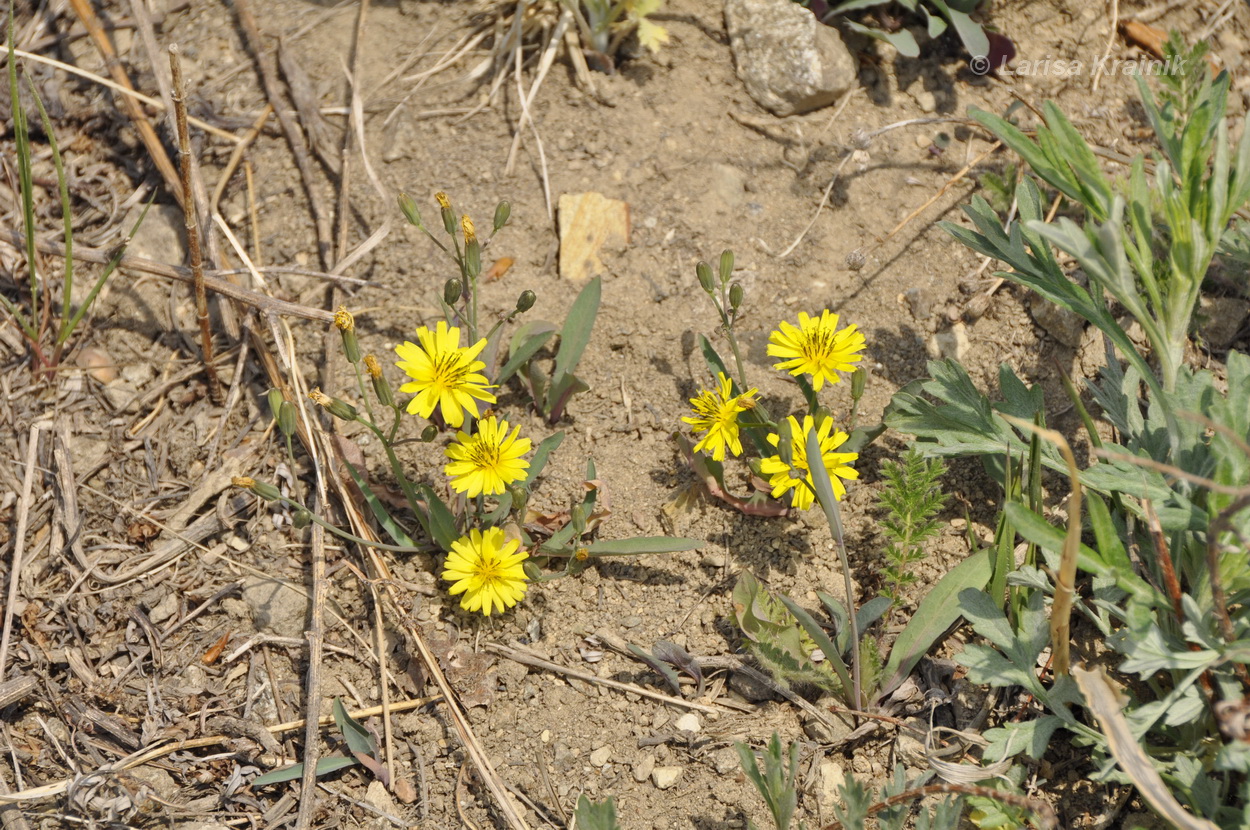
[[343, 534]]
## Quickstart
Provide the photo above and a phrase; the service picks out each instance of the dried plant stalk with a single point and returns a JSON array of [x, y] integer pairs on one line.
[[192, 226]]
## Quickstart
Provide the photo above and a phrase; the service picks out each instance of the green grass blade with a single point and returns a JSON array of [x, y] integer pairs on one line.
[[21, 141], [66, 214]]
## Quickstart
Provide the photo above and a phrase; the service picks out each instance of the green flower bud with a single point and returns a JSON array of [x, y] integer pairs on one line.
[[452, 290], [859, 379], [526, 301], [263, 489], [346, 324], [704, 273], [301, 518], [449, 215], [735, 297], [785, 443], [286, 418], [339, 409], [502, 211], [577, 517], [726, 265], [409, 208], [429, 433], [380, 386], [275, 399], [532, 571]]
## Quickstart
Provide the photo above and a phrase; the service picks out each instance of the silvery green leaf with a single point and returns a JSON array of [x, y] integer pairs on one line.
[[1031, 737], [1151, 652]]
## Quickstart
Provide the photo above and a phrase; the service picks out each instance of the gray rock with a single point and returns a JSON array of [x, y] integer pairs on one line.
[[1220, 319], [600, 756], [643, 768], [789, 62], [1067, 327], [751, 688], [727, 185], [275, 608], [829, 784], [951, 344]]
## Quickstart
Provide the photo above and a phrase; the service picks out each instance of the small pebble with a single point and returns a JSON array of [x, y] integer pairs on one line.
[[642, 769], [665, 777], [601, 756], [688, 722]]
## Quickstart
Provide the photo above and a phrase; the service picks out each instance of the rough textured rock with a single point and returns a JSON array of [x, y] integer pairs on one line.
[[789, 62], [1220, 320], [1067, 327]]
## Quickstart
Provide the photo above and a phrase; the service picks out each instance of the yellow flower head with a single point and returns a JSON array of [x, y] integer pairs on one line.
[[487, 570], [816, 347], [717, 414], [488, 461], [343, 320], [836, 463], [466, 225], [320, 398], [444, 374], [441, 198], [372, 366]]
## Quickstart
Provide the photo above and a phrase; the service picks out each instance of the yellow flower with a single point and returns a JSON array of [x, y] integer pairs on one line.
[[487, 570], [816, 347], [717, 413], [444, 374], [835, 462], [466, 225], [488, 461], [443, 203]]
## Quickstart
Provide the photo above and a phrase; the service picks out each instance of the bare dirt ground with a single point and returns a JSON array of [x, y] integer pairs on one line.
[[118, 612]]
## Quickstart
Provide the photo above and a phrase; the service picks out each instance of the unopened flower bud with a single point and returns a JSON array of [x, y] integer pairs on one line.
[[726, 265], [526, 301], [449, 215], [301, 518], [346, 324], [785, 443], [472, 248], [409, 208], [275, 399], [286, 418], [502, 211], [452, 289], [704, 272], [577, 517], [429, 433], [859, 379], [735, 297], [260, 488], [381, 387], [532, 571], [339, 409]]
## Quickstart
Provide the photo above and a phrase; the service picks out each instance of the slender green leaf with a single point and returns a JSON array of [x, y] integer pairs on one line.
[[826, 646], [539, 461], [325, 766], [575, 335], [538, 334], [442, 521], [902, 40], [639, 545], [937, 612], [388, 523], [354, 733]]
